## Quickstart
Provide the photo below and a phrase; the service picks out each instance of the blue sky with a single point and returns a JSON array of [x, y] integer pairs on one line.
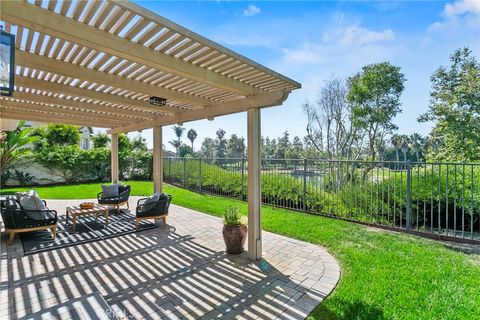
[[311, 41]]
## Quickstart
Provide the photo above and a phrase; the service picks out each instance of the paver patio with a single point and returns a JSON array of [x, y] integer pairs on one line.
[[178, 272]]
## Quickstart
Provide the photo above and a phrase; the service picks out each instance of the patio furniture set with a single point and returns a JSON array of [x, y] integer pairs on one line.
[[26, 212]]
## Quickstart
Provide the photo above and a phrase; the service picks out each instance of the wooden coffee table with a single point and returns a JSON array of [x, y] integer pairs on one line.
[[76, 211]]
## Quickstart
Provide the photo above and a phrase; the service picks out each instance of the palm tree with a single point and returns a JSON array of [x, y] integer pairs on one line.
[[179, 133], [405, 146], [417, 143], [192, 135], [396, 141], [13, 144]]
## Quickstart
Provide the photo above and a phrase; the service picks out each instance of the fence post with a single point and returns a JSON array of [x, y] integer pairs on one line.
[[184, 172], [170, 169], [200, 174], [242, 195], [304, 184], [409, 195]]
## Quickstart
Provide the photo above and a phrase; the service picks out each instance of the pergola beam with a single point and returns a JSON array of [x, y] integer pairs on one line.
[[68, 90], [49, 118], [60, 67], [56, 110], [48, 22], [95, 110], [240, 105]]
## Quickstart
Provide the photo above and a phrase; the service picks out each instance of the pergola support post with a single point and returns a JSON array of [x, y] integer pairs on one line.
[[254, 185], [114, 157], [157, 159]]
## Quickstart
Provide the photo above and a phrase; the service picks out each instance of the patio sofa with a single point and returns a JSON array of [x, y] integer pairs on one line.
[[154, 207], [17, 219], [116, 200]]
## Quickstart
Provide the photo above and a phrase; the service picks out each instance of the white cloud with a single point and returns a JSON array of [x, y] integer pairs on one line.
[[457, 16], [352, 40], [363, 36], [252, 10], [459, 8]]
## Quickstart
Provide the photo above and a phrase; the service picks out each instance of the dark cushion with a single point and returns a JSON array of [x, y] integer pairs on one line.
[[114, 200], [36, 215], [110, 191]]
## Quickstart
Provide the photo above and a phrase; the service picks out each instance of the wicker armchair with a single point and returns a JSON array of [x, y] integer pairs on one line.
[[116, 202], [18, 220], [153, 210]]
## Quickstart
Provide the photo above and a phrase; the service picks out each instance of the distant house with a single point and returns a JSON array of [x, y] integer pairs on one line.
[[86, 134], [169, 154]]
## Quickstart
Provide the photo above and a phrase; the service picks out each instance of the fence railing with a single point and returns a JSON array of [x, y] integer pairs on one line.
[[441, 199]]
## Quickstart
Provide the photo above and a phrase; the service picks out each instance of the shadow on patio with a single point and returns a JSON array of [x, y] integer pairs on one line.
[[180, 271]]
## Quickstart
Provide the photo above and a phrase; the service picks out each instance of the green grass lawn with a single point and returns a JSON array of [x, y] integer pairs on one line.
[[384, 275]]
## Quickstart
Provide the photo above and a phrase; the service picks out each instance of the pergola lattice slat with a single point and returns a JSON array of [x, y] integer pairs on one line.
[[96, 63], [34, 17]]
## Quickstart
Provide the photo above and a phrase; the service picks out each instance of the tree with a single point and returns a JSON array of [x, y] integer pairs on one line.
[[62, 135], [236, 147], [329, 123], [296, 149], [176, 144], [178, 133], [139, 143], [185, 150], [13, 145], [455, 109], [269, 147], [396, 141], [208, 148], [405, 146], [220, 144], [97, 162], [192, 135], [57, 135], [417, 143], [125, 149], [100, 140], [374, 94], [283, 145], [67, 162]]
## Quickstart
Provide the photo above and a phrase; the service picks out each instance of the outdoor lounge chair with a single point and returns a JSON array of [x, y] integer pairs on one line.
[[154, 207], [116, 202], [18, 220]]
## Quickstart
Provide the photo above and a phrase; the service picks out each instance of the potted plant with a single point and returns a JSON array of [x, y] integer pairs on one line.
[[234, 230]]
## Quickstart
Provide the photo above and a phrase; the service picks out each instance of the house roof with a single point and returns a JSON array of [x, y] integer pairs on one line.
[[97, 63]]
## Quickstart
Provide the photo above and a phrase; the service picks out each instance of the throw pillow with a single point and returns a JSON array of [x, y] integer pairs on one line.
[[110, 191], [33, 206], [152, 199], [32, 202], [150, 202], [26, 193]]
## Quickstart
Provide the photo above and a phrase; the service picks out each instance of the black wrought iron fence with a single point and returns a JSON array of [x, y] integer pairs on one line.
[[441, 199]]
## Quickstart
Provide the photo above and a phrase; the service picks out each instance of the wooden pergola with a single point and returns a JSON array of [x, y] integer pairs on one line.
[[97, 63]]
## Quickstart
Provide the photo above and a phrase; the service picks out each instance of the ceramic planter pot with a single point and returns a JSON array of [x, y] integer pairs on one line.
[[234, 237]]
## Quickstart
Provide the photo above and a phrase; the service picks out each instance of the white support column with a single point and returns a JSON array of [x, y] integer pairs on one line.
[[254, 186], [157, 159], [114, 163]]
